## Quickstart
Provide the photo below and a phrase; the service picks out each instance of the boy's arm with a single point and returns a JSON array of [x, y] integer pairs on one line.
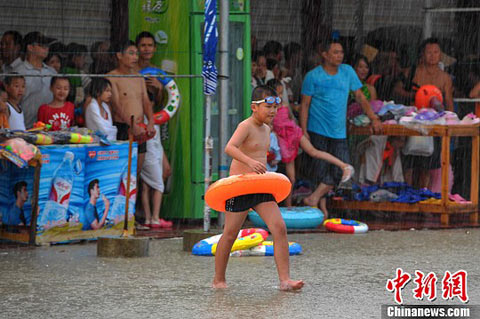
[[475, 92], [313, 152], [232, 149], [153, 82], [304, 107], [449, 94], [147, 108]]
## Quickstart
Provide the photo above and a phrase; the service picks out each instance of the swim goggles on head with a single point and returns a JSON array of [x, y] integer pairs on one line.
[[269, 100]]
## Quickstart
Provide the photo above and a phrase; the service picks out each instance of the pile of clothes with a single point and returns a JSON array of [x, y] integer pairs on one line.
[[396, 192], [391, 113]]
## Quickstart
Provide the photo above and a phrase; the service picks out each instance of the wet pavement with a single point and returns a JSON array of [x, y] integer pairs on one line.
[[345, 277]]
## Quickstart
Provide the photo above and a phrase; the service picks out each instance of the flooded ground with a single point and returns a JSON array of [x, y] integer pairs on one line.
[[345, 277]]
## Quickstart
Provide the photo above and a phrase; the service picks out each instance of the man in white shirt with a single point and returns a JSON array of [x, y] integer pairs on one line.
[[37, 89]]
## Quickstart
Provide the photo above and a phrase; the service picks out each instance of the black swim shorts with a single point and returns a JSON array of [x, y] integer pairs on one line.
[[245, 202]]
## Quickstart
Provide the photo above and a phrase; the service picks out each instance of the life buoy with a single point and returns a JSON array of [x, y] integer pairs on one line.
[[294, 217], [236, 185], [246, 239], [173, 102], [345, 226], [424, 95], [266, 249]]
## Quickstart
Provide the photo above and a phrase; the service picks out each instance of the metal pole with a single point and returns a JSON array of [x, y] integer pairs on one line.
[[223, 92], [91, 75], [427, 26], [358, 18], [208, 160]]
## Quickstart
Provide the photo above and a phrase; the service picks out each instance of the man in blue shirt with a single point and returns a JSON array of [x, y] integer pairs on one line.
[[323, 116], [16, 215], [90, 218]]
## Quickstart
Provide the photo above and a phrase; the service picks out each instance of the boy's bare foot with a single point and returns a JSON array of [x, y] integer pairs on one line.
[[290, 285], [219, 285]]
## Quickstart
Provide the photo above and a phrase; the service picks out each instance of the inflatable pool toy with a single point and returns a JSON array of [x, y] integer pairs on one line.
[[345, 226], [236, 185], [294, 217], [425, 94], [266, 249], [173, 95], [246, 239], [208, 247]]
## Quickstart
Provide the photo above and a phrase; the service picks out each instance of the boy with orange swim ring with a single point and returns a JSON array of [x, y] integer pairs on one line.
[[248, 147]]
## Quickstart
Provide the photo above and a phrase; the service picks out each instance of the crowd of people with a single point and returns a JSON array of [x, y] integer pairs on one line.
[[317, 90], [35, 88]]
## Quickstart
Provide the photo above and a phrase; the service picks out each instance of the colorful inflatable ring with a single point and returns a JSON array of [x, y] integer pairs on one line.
[[345, 226], [246, 239], [294, 217], [266, 249], [236, 185], [425, 93], [173, 95]]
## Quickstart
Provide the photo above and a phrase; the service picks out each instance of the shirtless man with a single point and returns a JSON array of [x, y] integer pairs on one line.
[[429, 72], [129, 97]]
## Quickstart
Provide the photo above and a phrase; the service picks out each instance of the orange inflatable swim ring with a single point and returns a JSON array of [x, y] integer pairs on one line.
[[425, 93], [236, 185]]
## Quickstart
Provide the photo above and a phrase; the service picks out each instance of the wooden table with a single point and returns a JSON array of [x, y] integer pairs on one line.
[[445, 208]]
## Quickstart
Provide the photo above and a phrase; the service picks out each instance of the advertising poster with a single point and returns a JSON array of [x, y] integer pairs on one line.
[[61, 192], [16, 190], [106, 185], [82, 192]]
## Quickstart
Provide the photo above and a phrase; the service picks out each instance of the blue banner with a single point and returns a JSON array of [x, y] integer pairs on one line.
[[209, 71]]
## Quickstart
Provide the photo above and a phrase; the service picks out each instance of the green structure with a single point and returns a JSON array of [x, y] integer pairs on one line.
[[178, 30]]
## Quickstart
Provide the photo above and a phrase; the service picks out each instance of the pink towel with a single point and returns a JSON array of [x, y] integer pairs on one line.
[[288, 133]]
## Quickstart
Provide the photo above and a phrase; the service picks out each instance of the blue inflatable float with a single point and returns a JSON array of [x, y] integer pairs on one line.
[[294, 217]]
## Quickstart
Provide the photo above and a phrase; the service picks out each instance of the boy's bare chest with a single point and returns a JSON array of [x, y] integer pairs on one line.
[[257, 143], [129, 88]]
